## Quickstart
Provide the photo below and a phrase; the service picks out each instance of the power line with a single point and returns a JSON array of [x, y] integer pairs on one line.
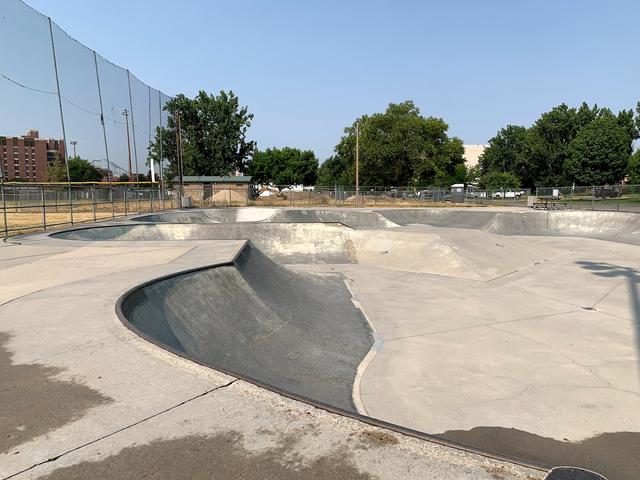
[[70, 102]]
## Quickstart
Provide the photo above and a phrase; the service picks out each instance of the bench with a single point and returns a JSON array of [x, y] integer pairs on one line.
[[548, 203]]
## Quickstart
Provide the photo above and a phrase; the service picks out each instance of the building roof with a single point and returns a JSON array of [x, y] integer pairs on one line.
[[213, 179]]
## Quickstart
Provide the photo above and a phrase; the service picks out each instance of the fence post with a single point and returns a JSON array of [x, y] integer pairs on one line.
[[593, 197], [64, 132], [71, 203], [4, 205], [124, 190], [44, 208], [93, 201]]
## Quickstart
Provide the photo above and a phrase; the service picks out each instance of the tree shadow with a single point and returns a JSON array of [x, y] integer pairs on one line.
[[609, 270]]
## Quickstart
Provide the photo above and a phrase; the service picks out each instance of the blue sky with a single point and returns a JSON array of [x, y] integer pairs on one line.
[[307, 69]]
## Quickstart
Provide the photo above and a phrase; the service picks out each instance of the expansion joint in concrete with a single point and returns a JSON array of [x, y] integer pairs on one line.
[[122, 429]]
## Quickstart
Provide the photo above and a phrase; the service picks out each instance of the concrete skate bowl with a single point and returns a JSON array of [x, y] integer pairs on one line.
[[330, 243], [354, 219], [611, 226], [296, 333], [285, 243], [212, 215]]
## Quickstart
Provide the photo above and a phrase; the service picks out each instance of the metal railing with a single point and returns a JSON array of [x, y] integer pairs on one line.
[[31, 207]]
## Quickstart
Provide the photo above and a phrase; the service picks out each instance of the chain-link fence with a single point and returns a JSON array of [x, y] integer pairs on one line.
[[26, 208], [61, 99], [619, 198], [231, 195]]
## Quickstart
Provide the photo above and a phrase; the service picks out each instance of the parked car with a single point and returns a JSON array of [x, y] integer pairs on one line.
[[508, 194], [606, 192]]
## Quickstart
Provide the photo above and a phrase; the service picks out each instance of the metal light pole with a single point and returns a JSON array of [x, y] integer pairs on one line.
[[357, 163], [125, 112], [74, 143], [179, 154]]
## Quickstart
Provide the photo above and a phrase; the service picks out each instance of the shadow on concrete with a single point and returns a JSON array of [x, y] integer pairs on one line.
[[220, 456], [33, 403], [615, 455], [609, 270]]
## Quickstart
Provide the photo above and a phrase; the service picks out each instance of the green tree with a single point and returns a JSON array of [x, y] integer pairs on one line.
[[214, 130], [599, 154], [397, 147], [336, 170], [123, 177], [566, 145], [507, 153], [499, 180], [633, 168], [81, 170], [56, 171], [474, 173], [284, 166], [548, 142]]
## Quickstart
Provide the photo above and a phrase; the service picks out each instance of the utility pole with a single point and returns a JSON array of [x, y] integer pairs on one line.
[[357, 163], [125, 112], [74, 143], [179, 154]]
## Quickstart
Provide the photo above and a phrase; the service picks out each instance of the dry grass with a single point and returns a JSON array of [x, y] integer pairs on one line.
[[28, 220]]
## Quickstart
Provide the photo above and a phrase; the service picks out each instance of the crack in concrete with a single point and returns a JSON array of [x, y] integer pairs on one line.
[[572, 360], [126, 427], [438, 332], [622, 282]]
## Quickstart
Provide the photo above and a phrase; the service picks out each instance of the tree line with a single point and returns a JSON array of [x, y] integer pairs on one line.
[[587, 145]]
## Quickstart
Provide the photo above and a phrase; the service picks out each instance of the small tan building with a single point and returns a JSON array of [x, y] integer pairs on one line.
[[216, 190]]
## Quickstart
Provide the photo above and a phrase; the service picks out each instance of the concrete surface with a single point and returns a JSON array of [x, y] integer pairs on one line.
[[351, 218], [138, 402], [522, 345], [286, 243], [613, 226], [258, 319]]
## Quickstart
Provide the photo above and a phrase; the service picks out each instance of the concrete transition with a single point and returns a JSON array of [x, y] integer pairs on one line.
[[614, 226], [297, 332], [351, 218]]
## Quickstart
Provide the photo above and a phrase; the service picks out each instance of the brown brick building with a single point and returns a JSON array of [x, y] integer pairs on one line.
[[27, 157]]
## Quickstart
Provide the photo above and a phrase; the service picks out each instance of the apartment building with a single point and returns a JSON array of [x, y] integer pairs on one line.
[[26, 157]]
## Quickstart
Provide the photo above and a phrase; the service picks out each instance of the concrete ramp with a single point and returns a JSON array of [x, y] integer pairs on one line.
[[612, 226], [211, 215], [473, 255], [360, 219], [357, 219], [297, 332], [286, 243]]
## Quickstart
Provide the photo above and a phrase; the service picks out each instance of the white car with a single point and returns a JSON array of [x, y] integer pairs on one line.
[[508, 194]]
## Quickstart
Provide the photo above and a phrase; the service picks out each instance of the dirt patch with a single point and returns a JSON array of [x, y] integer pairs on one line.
[[614, 455], [230, 196], [209, 458], [33, 403], [377, 438]]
